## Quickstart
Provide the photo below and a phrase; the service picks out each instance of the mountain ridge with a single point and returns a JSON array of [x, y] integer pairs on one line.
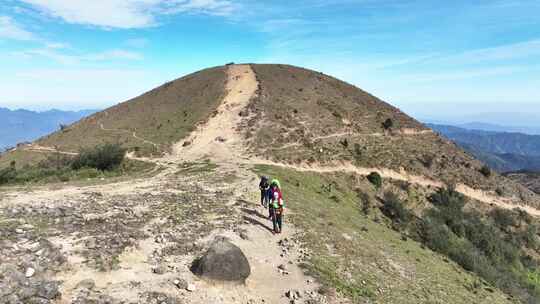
[[347, 237]]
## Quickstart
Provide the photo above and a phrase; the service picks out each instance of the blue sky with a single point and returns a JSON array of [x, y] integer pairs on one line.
[[418, 55]]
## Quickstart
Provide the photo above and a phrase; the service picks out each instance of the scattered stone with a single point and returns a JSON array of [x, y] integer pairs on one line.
[[186, 143], [191, 288], [159, 269], [223, 261], [30, 272], [48, 290], [27, 226], [244, 235], [181, 283], [220, 139], [293, 294], [86, 284]]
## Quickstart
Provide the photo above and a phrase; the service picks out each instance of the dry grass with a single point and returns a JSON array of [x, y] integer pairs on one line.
[[162, 116], [302, 116]]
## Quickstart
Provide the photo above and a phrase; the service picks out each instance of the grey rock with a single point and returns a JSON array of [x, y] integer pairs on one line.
[[181, 283], [30, 272], [223, 261], [159, 269], [48, 290], [86, 284]]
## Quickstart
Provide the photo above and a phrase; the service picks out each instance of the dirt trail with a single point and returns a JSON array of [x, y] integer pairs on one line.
[[220, 141], [219, 138], [133, 134], [479, 195], [403, 131], [43, 149]]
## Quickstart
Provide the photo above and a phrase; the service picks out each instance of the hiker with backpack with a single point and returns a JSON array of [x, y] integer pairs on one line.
[[276, 206], [264, 186]]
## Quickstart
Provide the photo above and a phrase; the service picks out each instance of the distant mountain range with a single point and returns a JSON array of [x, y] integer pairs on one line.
[[23, 125], [483, 126], [502, 151]]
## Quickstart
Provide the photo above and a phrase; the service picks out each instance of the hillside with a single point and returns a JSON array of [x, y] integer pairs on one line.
[[530, 179], [151, 122], [303, 117], [368, 214], [17, 126]]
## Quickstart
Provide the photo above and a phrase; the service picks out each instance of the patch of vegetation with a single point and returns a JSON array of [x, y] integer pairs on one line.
[[164, 115], [486, 171], [491, 246], [388, 124], [394, 209], [101, 161], [350, 252], [105, 157], [376, 179]]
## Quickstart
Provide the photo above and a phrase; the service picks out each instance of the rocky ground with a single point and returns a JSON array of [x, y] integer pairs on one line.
[[102, 246]]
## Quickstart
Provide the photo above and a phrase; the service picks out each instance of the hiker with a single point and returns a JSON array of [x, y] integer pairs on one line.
[[264, 186], [271, 195], [276, 206]]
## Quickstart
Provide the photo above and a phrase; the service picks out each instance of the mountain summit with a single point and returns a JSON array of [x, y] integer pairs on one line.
[[292, 116], [360, 177]]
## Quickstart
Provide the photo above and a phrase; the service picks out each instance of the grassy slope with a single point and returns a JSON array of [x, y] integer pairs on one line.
[[163, 115], [21, 158], [375, 264], [296, 105]]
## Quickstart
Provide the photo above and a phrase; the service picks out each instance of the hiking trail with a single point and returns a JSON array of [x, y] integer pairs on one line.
[[145, 231]]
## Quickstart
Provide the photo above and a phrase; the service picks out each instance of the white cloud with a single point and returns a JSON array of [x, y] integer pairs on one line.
[[56, 45], [126, 14], [210, 7], [137, 42], [113, 55], [54, 53], [468, 74], [9, 29], [504, 52]]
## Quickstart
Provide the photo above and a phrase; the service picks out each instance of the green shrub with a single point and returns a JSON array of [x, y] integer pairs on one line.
[[365, 202], [376, 179], [529, 237], [103, 157], [435, 235], [394, 209], [449, 209], [504, 218], [388, 124], [7, 175], [486, 171]]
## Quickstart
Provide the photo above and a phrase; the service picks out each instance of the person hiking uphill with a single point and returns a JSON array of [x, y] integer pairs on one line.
[[264, 186], [276, 206], [271, 195]]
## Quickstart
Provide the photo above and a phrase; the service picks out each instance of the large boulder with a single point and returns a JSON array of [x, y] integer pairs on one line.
[[223, 261]]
